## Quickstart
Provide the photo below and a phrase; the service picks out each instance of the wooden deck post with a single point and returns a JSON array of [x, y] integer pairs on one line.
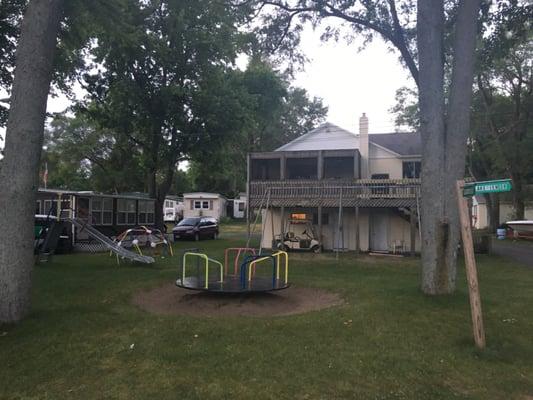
[[471, 270], [357, 246], [320, 165], [282, 222], [282, 167], [320, 226], [412, 220]]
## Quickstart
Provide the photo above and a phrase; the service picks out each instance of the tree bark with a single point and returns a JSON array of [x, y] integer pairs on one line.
[[458, 125], [430, 28], [493, 210], [24, 137], [444, 137], [519, 208]]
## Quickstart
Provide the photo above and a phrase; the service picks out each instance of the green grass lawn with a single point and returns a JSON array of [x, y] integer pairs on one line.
[[76, 342]]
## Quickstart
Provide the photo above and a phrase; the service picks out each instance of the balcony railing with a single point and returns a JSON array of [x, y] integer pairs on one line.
[[364, 192]]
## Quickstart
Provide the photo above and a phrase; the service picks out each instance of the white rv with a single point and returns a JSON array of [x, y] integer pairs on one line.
[[173, 209]]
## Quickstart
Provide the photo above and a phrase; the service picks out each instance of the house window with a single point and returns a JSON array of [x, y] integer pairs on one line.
[[125, 212], [168, 204], [301, 168], [146, 212], [266, 169], [338, 167], [50, 207], [38, 207], [102, 211], [241, 206], [201, 205], [411, 169]]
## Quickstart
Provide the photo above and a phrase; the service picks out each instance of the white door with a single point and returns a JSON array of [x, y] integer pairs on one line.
[[379, 231]]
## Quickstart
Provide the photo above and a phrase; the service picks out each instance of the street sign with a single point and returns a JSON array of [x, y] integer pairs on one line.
[[497, 186]]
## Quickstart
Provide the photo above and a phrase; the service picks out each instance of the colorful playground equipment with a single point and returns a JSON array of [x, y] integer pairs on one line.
[[142, 237], [200, 272]]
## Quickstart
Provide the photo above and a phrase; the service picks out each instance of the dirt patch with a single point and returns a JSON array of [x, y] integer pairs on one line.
[[171, 300]]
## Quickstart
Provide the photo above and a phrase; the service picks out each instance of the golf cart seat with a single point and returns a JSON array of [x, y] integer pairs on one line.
[[292, 237]]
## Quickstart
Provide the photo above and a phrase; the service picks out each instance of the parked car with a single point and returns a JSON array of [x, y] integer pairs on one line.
[[196, 228]]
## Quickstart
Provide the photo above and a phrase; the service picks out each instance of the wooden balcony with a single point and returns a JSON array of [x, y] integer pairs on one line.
[[332, 193]]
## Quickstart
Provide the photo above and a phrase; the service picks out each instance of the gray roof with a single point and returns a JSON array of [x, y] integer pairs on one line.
[[404, 144]]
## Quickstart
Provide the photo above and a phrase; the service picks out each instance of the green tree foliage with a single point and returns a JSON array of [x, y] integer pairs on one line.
[[502, 134], [405, 111], [272, 114], [10, 16], [82, 156], [163, 83]]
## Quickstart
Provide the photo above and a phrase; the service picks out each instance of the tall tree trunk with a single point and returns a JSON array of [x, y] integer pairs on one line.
[[162, 192], [458, 124], [519, 208], [24, 137], [430, 27], [443, 137], [493, 210]]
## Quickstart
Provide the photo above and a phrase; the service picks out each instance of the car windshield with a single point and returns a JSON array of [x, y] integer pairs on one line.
[[189, 222]]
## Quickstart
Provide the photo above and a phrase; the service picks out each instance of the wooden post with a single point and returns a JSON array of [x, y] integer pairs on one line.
[[320, 227], [282, 219], [320, 165], [471, 271], [412, 220], [357, 247]]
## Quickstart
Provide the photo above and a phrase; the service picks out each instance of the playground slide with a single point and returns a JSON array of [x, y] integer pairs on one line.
[[110, 244]]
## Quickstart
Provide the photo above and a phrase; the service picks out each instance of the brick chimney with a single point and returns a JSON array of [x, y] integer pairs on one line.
[[363, 146]]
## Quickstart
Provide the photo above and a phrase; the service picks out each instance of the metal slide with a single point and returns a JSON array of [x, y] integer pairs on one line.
[[110, 244]]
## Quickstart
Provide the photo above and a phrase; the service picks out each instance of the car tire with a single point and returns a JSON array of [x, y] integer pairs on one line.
[[196, 237]]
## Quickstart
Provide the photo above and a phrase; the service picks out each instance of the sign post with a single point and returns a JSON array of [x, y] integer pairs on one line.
[[464, 191]]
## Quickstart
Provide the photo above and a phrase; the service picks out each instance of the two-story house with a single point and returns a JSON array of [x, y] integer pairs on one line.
[[360, 192]]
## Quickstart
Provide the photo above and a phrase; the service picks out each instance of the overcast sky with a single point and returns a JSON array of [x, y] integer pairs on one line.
[[352, 82], [349, 82]]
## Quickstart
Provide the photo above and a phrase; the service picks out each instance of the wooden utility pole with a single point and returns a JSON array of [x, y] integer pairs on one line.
[[471, 270]]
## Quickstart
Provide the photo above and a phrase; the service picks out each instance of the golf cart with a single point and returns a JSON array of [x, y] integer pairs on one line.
[[299, 235]]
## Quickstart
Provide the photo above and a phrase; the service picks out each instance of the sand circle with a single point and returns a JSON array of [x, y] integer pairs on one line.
[[171, 300]]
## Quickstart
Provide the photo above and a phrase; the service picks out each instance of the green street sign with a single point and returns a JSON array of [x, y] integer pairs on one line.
[[501, 185]]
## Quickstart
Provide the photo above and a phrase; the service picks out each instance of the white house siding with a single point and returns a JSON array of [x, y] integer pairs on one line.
[[399, 230], [480, 210], [326, 137], [384, 162], [217, 208], [239, 213]]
